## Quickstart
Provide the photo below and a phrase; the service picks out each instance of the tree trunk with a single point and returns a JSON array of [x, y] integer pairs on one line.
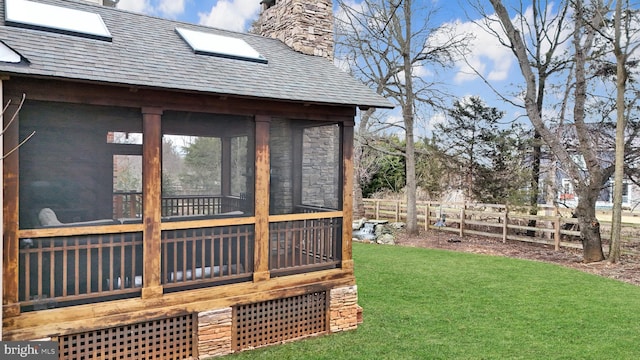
[[589, 228], [407, 114], [363, 125], [535, 178], [358, 203], [621, 123]]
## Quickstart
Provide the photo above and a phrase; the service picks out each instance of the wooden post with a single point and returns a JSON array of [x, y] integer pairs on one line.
[[377, 209], [464, 205], [151, 200], [505, 225], [347, 195], [397, 210], [10, 253], [261, 254], [556, 233], [427, 215]]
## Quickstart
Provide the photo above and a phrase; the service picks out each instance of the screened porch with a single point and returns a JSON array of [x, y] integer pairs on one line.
[[113, 200]]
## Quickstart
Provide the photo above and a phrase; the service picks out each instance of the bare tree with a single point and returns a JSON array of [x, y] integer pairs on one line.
[[623, 48], [546, 37], [8, 123], [384, 47], [589, 177]]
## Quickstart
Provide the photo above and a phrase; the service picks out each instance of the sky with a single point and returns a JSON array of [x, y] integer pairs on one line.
[[494, 61]]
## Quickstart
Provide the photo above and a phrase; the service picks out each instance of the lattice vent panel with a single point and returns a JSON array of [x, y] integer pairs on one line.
[[167, 339], [279, 320]]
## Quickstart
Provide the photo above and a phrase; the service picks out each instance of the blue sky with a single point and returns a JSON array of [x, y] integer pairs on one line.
[[490, 58], [227, 14]]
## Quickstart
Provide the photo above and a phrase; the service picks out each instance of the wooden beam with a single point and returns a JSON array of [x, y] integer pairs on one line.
[[151, 201], [10, 210], [109, 95], [263, 166], [347, 195], [82, 318]]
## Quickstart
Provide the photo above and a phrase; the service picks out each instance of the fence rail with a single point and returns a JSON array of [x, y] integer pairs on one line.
[[553, 225]]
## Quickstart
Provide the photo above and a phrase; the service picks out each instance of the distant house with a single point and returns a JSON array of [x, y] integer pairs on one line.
[[185, 192], [559, 188]]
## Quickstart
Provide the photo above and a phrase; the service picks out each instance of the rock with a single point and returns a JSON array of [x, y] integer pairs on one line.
[[386, 239], [358, 224], [397, 225]]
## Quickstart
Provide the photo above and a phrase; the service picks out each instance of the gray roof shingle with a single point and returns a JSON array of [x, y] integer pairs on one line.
[[146, 51]]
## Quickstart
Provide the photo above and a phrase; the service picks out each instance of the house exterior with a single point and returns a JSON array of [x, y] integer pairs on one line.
[[171, 190], [557, 187]]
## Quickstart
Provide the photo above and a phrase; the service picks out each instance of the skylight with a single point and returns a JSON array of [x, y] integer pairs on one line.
[[7, 54], [33, 15], [221, 46]]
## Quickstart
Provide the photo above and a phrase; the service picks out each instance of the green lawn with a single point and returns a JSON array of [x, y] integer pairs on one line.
[[431, 304]]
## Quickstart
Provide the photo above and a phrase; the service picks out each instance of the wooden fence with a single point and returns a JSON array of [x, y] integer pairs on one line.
[[553, 225]]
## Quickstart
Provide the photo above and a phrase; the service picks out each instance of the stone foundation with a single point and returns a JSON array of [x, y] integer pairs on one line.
[[215, 326], [214, 333], [343, 308]]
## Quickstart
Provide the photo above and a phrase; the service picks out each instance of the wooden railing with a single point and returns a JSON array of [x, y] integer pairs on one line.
[[66, 266], [71, 269], [308, 243], [553, 225], [204, 256], [129, 205]]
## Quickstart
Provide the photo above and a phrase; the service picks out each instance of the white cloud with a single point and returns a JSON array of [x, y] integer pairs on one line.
[[139, 6], [230, 14], [164, 8], [486, 55], [438, 118], [171, 8]]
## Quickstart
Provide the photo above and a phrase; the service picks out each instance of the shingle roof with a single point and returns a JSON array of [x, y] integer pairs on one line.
[[146, 51]]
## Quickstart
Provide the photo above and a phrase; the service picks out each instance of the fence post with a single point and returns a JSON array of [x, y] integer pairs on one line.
[[505, 224], [464, 205], [556, 233], [377, 209], [397, 210], [427, 212]]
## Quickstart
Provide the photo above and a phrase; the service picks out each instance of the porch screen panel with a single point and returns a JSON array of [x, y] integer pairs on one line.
[[304, 245], [201, 256], [207, 166], [305, 167], [67, 168], [69, 270]]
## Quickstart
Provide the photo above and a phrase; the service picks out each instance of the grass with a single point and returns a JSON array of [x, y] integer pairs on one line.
[[434, 304]]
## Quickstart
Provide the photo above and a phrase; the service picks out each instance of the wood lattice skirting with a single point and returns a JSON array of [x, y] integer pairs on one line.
[[167, 339], [279, 320]]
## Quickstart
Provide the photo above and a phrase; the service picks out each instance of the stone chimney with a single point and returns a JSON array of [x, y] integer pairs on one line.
[[303, 25]]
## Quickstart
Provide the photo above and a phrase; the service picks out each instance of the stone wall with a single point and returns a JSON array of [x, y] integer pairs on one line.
[[321, 167], [215, 326], [344, 309], [214, 333], [281, 196], [303, 25]]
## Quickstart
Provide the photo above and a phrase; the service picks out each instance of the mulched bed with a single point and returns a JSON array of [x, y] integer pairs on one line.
[[627, 270]]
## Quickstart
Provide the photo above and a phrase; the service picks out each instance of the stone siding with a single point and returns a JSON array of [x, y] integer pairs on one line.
[[214, 333], [321, 167], [343, 309], [281, 197], [303, 25]]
